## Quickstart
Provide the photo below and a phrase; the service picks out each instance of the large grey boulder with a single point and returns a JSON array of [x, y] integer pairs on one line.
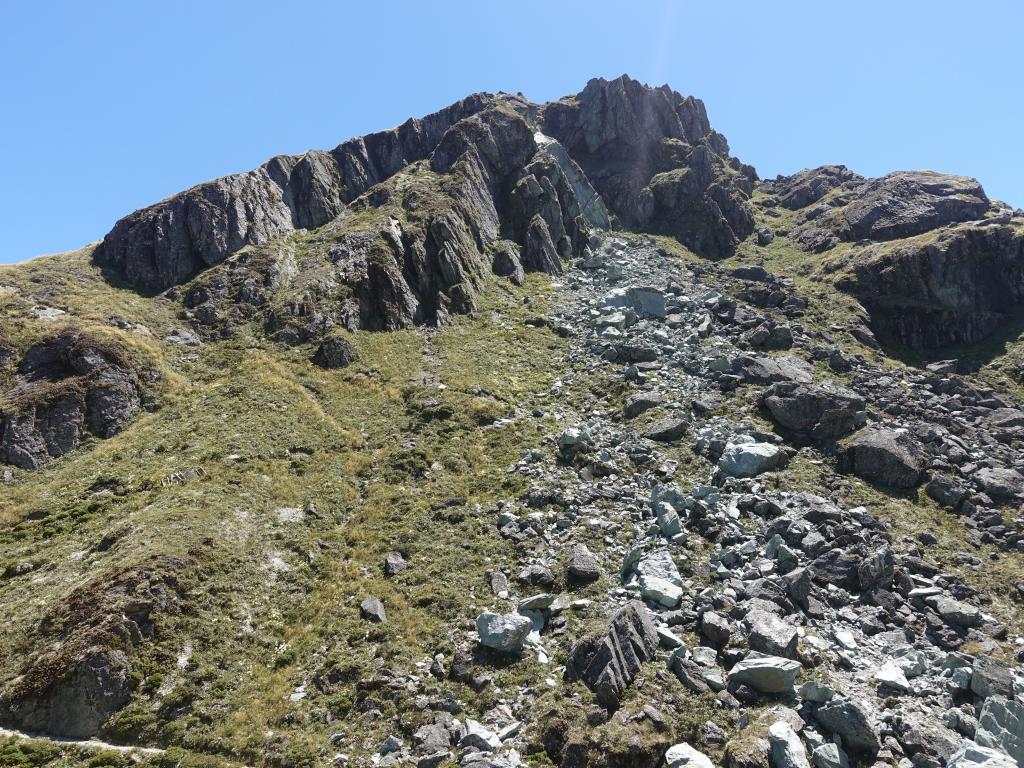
[[991, 677], [767, 674], [971, 755], [685, 756], [814, 412], [885, 456], [89, 693], [851, 721], [608, 663], [750, 458], [787, 749], [504, 632], [1001, 726], [1000, 483], [771, 635]]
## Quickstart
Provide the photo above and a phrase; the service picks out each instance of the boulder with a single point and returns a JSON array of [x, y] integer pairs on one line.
[[506, 262], [768, 370], [991, 677], [767, 674], [885, 456], [971, 755], [372, 609], [787, 749], [748, 459], [667, 430], [1001, 726], [608, 663], [814, 412], [850, 720], [685, 756], [582, 566], [1000, 483], [505, 632], [335, 352], [771, 635], [640, 402]]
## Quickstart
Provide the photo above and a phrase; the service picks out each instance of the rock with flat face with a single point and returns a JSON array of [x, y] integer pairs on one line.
[[76, 707], [640, 402], [506, 261], [991, 677], [335, 352], [582, 566], [850, 720], [372, 609], [751, 459], [1001, 726], [787, 749], [884, 456], [504, 632], [814, 412], [685, 756], [971, 755], [1000, 482], [771, 635], [768, 370], [908, 203], [607, 664], [767, 674]]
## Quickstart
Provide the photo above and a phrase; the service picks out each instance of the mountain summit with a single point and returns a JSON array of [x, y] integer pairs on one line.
[[520, 434]]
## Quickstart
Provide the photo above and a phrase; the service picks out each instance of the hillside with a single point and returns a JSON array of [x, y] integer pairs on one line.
[[520, 434]]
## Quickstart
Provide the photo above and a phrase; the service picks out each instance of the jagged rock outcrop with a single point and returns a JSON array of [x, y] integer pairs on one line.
[[68, 387], [608, 663], [957, 288], [809, 185], [164, 244], [654, 158], [78, 680]]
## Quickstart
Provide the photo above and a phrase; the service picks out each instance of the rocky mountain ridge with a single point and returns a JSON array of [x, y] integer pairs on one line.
[[521, 434]]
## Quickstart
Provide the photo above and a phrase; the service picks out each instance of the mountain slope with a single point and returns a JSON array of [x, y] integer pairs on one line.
[[296, 453]]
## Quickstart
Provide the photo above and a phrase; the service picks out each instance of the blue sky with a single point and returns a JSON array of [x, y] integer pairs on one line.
[[106, 107]]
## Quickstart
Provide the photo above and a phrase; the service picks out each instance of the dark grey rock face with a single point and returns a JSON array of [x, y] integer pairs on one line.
[[67, 388], [884, 456], [658, 165], [810, 185], [163, 245], [608, 664], [814, 412], [335, 352], [908, 203]]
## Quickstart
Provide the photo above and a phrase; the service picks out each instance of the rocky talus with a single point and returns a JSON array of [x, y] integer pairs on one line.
[[729, 529]]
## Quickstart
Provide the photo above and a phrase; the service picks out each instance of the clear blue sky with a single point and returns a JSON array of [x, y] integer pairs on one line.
[[109, 106]]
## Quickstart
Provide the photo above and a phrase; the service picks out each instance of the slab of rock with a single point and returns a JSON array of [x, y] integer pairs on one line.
[[1001, 726], [851, 721], [1000, 483], [685, 756], [767, 674], [971, 755], [640, 402], [787, 749], [751, 459], [955, 612], [814, 412], [608, 663], [504, 632], [771, 635], [667, 430], [394, 564], [883, 456], [907, 203], [991, 677], [582, 567], [768, 370], [372, 609]]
